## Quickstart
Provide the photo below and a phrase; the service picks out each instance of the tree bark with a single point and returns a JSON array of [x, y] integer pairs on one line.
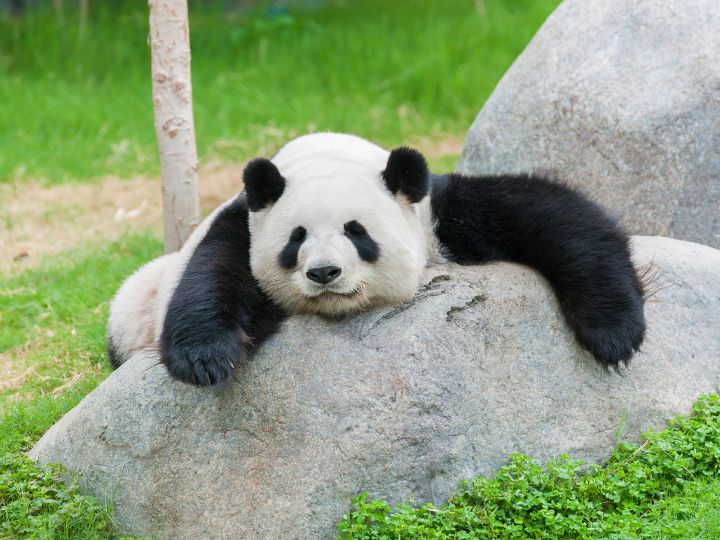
[[57, 6], [172, 101], [84, 11]]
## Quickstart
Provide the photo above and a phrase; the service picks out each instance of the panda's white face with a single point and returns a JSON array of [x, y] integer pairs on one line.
[[336, 240]]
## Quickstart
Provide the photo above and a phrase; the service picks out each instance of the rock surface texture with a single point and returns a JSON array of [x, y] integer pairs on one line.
[[623, 99], [402, 402]]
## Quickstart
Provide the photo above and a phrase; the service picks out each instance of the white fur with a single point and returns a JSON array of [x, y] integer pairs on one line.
[[331, 179], [132, 325]]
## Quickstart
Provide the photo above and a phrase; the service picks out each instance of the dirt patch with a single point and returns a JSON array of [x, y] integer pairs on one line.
[[37, 220], [440, 148], [16, 381]]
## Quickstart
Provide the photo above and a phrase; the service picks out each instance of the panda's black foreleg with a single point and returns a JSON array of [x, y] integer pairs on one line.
[[217, 314], [580, 250]]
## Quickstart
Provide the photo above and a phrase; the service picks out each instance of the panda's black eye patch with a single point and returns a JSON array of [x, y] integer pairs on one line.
[[289, 254], [298, 234], [367, 248]]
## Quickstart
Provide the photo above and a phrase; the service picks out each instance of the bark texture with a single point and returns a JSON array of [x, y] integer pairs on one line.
[[172, 101]]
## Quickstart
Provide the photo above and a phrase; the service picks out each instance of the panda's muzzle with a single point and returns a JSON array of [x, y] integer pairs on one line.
[[324, 274]]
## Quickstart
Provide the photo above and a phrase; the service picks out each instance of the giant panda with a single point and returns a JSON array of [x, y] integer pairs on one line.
[[333, 224]]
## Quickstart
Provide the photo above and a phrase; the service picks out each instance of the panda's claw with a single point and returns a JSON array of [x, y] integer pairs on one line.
[[203, 363], [615, 344], [200, 378]]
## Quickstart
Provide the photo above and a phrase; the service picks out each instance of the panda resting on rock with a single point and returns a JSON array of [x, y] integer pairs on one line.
[[334, 224]]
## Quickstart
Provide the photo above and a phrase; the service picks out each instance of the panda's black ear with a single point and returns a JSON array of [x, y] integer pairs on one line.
[[263, 184], [407, 174]]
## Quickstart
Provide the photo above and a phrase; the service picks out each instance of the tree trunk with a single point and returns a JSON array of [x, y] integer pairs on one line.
[[57, 6], [84, 10], [172, 101]]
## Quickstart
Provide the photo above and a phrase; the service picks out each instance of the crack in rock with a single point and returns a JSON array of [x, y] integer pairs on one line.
[[455, 310], [430, 289]]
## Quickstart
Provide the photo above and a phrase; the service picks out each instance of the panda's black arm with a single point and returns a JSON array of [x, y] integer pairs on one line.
[[217, 314], [580, 250]]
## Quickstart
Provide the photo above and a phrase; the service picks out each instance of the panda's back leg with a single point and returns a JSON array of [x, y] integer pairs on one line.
[[131, 325]]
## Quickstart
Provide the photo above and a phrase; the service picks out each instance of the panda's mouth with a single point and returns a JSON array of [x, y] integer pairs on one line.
[[327, 293], [329, 302], [335, 298]]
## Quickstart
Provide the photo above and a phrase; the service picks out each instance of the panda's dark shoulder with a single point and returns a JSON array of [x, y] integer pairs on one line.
[[230, 220], [239, 205]]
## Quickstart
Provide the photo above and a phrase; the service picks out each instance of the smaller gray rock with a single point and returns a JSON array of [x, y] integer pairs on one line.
[[402, 402], [622, 98]]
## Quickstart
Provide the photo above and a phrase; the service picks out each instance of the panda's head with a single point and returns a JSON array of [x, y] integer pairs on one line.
[[334, 224]]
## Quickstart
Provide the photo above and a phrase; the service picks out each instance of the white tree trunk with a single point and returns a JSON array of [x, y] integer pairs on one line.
[[84, 11], [57, 6], [172, 101]]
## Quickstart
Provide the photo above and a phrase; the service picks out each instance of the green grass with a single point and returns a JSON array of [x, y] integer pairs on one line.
[[77, 106], [60, 309], [667, 487], [35, 503]]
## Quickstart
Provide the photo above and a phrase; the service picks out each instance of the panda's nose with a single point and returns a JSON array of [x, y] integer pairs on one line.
[[324, 274]]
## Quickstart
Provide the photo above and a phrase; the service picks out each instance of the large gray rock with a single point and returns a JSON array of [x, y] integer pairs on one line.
[[623, 98], [402, 402]]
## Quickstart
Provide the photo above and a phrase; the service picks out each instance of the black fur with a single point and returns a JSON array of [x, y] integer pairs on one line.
[[116, 360], [217, 314], [579, 249], [289, 254], [407, 173], [263, 183], [367, 248]]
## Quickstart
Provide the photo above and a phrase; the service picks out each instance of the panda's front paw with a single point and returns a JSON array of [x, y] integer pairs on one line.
[[616, 343], [203, 362]]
